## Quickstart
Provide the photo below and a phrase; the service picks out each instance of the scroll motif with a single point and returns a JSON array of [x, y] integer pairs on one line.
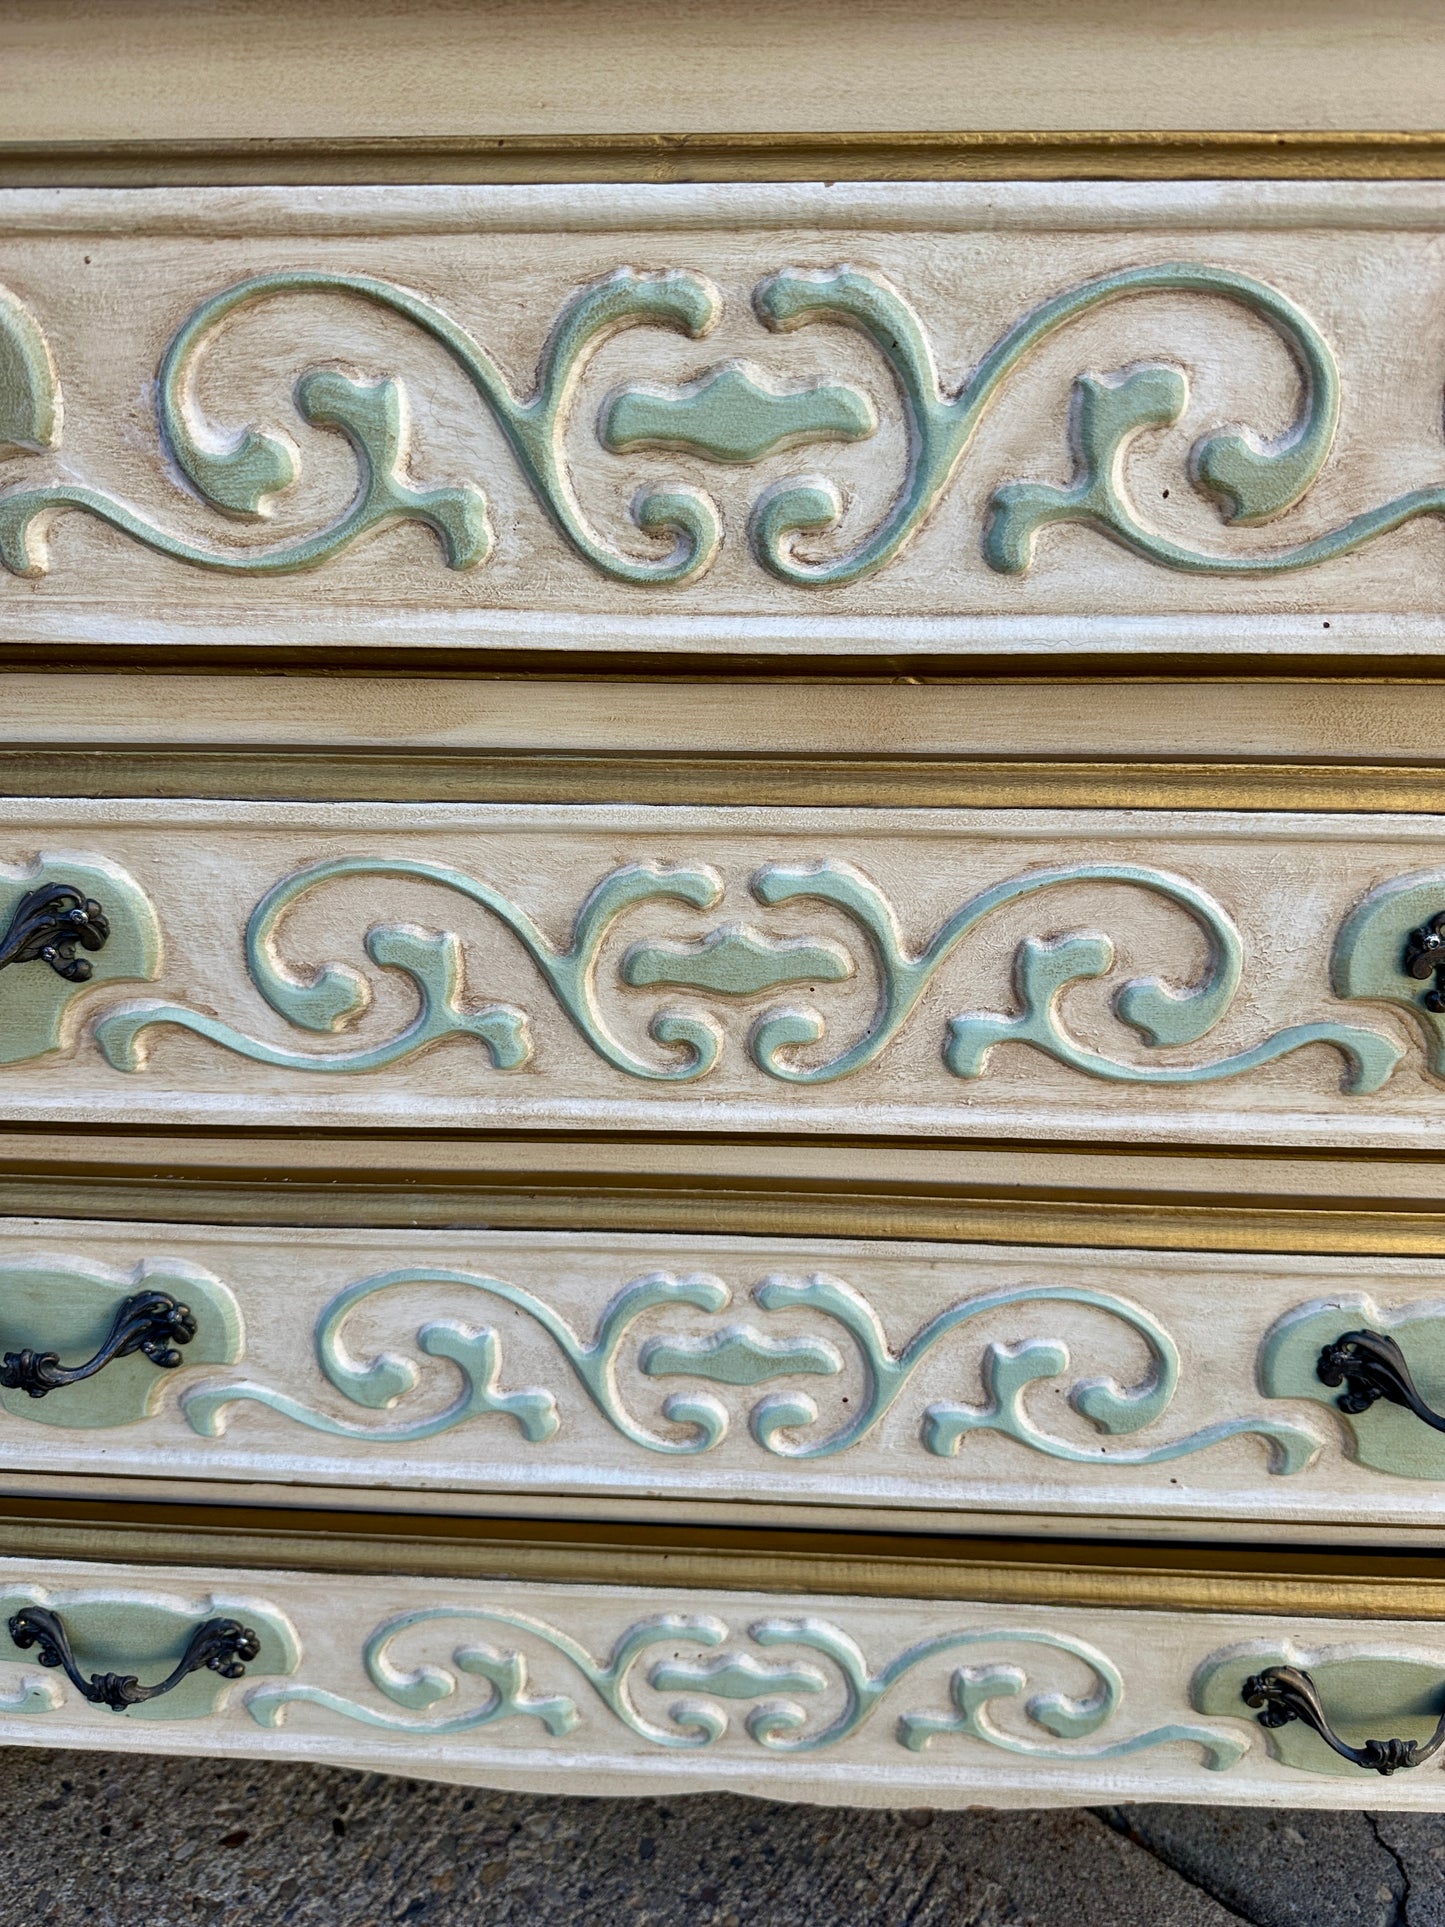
[[785, 1424], [731, 413], [732, 963], [1055, 1726]]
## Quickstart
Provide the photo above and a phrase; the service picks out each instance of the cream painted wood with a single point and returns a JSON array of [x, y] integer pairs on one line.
[[685, 972], [709, 440], [606, 1689], [265, 71], [965, 1382]]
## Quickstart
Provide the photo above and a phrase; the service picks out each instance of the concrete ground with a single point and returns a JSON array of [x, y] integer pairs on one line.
[[127, 1842]]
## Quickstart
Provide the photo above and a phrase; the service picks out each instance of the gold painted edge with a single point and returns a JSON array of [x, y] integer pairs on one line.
[[264, 773], [1209, 1579], [662, 157], [785, 1208]]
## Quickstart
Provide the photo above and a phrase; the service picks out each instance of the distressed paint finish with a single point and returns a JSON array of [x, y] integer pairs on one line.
[[876, 419], [942, 1381], [1036, 973], [730, 417], [892, 1702]]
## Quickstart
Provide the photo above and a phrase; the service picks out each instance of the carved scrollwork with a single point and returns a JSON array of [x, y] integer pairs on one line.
[[708, 1664], [731, 413], [784, 1423], [733, 962]]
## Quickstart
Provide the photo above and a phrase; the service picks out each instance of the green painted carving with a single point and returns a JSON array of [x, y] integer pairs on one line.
[[144, 1633], [735, 1676], [736, 961], [1008, 1372], [1386, 1437], [1253, 482], [68, 1306], [739, 1355], [418, 1688], [1368, 1693], [1161, 1014], [734, 414], [780, 1725], [29, 389], [334, 995], [38, 1006], [1367, 962], [240, 471], [384, 1380]]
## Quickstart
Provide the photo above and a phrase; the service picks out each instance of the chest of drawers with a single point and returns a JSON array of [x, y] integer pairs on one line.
[[721, 909]]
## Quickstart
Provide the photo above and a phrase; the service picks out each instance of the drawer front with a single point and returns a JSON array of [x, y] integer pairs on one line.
[[881, 1701], [1043, 974], [896, 419], [956, 1380]]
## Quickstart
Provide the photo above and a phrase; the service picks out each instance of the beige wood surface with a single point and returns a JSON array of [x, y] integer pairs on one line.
[[621, 1043], [1340, 722], [465, 68], [727, 1690], [107, 279], [1211, 1450], [459, 67]]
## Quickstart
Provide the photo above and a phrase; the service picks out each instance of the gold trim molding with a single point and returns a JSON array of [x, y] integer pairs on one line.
[[865, 782], [735, 1559], [599, 1194], [524, 159]]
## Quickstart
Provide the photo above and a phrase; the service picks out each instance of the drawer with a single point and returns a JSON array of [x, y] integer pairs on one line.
[[1042, 974], [943, 418], [819, 1377], [784, 1690]]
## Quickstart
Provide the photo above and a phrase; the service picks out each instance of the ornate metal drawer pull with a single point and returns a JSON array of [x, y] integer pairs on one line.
[[1371, 1366], [1425, 957], [1285, 1693], [47, 925], [151, 1322], [219, 1645]]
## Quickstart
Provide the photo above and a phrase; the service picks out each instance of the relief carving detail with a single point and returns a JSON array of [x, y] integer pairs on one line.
[[731, 413]]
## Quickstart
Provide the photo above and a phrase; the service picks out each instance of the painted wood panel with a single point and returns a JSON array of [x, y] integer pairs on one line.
[[957, 1380], [944, 417], [1156, 977], [606, 1689]]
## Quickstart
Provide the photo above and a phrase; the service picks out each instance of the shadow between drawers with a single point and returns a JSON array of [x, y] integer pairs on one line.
[[1358, 1584]]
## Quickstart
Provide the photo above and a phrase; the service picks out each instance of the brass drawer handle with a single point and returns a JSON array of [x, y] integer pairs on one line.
[[1286, 1693], [151, 1322], [1371, 1366], [219, 1645], [48, 923]]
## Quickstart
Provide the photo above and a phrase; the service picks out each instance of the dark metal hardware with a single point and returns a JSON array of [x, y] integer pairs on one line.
[[1285, 1693], [47, 925], [151, 1322], [219, 1645], [1425, 957], [1371, 1366]]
